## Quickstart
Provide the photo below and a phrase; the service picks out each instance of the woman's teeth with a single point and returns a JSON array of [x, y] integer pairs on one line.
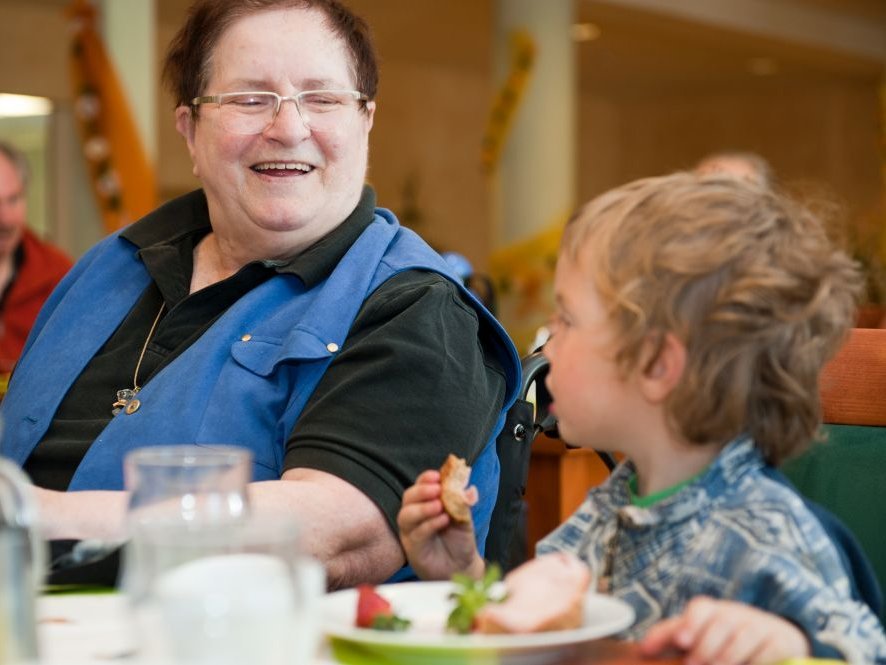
[[283, 166]]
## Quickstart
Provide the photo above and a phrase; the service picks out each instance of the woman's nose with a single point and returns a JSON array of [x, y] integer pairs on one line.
[[288, 123]]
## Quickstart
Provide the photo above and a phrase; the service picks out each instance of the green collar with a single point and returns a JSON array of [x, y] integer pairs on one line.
[[656, 497]]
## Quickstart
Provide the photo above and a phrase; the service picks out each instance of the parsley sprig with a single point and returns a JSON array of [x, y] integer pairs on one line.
[[470, 596], [391, 622]]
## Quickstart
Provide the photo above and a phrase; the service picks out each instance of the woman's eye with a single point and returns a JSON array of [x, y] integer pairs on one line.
[[250, 101], [319, 100]]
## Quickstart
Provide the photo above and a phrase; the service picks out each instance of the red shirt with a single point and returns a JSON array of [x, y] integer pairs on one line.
[[42, 267]]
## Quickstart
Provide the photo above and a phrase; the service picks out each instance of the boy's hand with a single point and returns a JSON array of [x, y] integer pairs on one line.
[[726, 632], [435, 545]]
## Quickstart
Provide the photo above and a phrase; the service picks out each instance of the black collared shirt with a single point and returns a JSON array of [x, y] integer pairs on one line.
[[411, 384]]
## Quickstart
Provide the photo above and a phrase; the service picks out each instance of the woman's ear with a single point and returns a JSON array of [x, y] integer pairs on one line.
[[370, 115], [185, 124], [663, 360]]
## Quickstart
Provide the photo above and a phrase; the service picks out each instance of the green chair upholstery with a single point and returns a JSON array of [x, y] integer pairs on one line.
[[847, 475]]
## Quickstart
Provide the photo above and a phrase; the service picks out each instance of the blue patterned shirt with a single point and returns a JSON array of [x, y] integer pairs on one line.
[[732, 533]]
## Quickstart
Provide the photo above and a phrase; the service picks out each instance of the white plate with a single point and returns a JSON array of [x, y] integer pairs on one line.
[[427, 604]]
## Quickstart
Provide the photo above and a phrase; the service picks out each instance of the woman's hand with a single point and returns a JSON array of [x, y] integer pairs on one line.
[[726, 632], [435, 545]]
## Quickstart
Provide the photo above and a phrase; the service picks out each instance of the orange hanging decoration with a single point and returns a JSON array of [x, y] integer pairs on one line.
[[508, 99], [122, 176]]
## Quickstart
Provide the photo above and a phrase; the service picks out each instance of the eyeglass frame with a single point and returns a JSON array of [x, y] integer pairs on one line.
[[218, 100]]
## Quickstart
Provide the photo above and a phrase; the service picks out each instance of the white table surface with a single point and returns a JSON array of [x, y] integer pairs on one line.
[[93, 629]]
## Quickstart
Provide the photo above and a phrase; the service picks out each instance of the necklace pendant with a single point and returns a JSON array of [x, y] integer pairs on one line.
[[124, 397]]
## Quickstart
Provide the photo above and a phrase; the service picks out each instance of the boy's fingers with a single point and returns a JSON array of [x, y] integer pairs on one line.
[[413, 514], [427, 528], [472, 495], [739, 649], [696, 617], [710, 641], [422, 491], [681, 631], [787, 641], [660, 636]]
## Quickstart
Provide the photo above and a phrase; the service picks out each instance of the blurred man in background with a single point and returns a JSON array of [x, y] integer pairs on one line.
[[746, 165], [29, 267]]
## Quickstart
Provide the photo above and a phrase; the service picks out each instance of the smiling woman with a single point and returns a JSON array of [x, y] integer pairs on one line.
[[275, 309]]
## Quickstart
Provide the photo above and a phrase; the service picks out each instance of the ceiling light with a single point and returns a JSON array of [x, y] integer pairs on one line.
[[12, 106]]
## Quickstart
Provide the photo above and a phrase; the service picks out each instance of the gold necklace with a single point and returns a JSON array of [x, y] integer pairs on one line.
[[126, 397]]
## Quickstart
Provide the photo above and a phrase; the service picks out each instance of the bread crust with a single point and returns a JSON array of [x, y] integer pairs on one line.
[[454, 477]]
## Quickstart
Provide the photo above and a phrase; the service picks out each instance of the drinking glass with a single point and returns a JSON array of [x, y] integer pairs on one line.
[[226, 593], [187, 483], [22, 561], [176, 485]]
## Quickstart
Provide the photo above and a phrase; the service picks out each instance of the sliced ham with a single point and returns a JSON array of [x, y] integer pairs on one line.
[[544, 594]]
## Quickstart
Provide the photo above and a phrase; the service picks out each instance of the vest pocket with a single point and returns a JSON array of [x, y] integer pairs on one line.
[[262, 355]]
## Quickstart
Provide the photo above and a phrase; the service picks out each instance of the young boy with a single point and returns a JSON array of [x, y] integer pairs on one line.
[[693, 318]]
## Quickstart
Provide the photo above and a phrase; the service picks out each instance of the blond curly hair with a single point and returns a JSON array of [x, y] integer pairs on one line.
[[745, 277]]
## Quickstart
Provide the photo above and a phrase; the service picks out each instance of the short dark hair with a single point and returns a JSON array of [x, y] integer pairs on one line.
[[186, 68], [18, 160]]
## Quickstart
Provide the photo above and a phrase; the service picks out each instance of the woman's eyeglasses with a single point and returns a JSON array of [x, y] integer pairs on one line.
[[254, 112]]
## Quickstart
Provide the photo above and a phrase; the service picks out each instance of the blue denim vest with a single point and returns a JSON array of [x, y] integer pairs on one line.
[[244, 382]]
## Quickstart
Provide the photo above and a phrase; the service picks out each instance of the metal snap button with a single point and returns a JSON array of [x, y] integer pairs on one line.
[[246, 337], [332, 347]]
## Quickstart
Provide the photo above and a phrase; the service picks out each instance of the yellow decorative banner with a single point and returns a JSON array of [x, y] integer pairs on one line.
[[523, 274], [121, 174], [502, 115]]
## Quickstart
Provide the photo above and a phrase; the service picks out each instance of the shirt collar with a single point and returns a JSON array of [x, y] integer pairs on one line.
[[188, 215], [737, 458]]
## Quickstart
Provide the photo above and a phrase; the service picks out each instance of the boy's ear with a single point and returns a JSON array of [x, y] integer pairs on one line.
[[663, 360]]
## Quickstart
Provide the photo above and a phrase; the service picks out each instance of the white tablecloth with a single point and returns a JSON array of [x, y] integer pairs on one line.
[[93, 629]]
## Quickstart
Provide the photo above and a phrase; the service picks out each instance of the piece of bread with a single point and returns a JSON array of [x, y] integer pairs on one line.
[[545, 593], [454, 477]]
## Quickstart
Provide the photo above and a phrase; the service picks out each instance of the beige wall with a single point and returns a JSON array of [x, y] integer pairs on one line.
[[33, 49], [822, 133]]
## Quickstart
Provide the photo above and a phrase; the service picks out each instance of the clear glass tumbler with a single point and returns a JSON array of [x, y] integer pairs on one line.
[[187, 483], [180, 485], [226, 594]]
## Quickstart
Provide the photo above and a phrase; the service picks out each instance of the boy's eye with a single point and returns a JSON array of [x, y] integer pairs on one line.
[[558, 321]]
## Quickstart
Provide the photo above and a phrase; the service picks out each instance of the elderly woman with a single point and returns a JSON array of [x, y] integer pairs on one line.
[[275, 309]]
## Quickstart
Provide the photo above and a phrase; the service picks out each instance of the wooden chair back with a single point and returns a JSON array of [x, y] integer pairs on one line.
[[853, 383], [847, 472]]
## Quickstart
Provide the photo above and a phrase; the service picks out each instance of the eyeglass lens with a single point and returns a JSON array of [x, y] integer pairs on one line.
[[252, 113]]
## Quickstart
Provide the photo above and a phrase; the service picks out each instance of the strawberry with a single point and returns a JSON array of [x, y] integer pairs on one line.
[[370, 605], [373, 611]]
